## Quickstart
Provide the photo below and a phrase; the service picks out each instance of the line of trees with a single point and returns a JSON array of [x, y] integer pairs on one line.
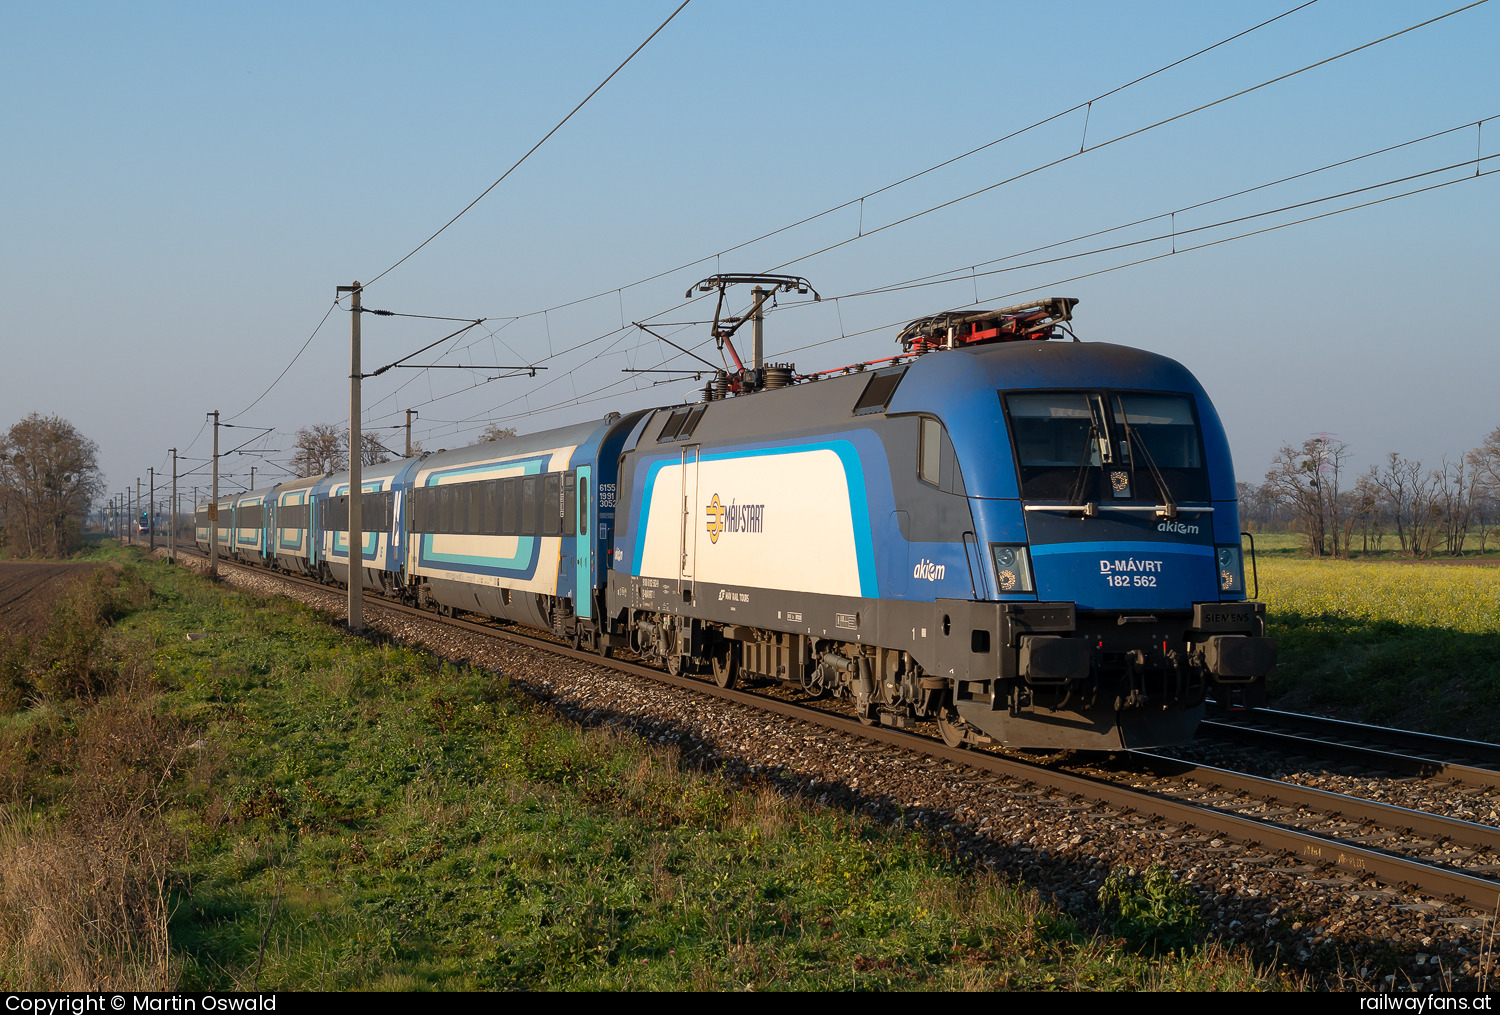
[[49, 478], [324, 447], [1441, 510]]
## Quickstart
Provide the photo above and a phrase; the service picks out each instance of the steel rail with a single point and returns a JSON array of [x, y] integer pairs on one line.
[[1390, 758], [1391, 816], [1435, 880], [1431, 745]]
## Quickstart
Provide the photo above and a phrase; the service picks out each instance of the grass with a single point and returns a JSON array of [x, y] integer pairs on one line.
[[1280, 545], [342, 814], [1416, 645]]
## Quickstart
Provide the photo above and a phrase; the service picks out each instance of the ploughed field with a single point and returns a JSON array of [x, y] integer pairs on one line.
[[29, 591]]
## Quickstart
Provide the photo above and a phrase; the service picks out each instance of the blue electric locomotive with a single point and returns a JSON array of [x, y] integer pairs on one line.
[[1026, 541], [1030, 542]]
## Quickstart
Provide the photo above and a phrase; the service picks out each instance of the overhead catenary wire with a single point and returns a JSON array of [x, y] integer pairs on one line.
[[619, 289], [1072, 155], [289, 366], [1122, 137], [615, 332], [1166, 254], [1061, 281], [534, 147], [1118, 88], [466, 208], [971, 270]]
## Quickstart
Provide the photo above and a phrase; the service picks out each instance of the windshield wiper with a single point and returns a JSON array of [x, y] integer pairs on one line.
[[1090, 444], [1167, 509]]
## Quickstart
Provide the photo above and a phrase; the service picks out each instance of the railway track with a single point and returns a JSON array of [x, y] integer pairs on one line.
[[1471, 762], [1310, 830]]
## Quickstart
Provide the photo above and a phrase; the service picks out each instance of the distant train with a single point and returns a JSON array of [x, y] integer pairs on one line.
[[143, 523], [1027, 541]]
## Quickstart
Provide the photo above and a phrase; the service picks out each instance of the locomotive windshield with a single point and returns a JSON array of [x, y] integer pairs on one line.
[[1082, 446]]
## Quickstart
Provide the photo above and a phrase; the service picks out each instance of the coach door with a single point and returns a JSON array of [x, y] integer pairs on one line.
[[689, 540], [583, 545]]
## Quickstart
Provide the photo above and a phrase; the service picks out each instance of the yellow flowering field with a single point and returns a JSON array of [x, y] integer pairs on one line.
[[1459, 597], [1411, 645]]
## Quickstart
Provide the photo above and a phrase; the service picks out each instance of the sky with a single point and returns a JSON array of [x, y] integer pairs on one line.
[[186, 184]]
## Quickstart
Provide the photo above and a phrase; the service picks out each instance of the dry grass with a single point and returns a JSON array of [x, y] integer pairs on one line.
[[86, 859], [83, 907]]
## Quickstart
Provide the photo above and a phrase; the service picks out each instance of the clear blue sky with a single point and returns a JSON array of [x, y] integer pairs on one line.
[[186, 184]]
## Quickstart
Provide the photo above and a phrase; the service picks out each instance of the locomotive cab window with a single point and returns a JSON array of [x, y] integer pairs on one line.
[[1079, 446], [930, 451]]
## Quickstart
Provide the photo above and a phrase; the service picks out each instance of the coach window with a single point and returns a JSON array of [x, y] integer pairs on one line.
[[583, 502], [531, 500], [472, 507], [491, 526], [930, 451], [552, 504], [570, 503], [510, 507]]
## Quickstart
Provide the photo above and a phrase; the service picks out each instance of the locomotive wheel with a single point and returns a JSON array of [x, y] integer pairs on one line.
[[674, 664], [952, 731], [726, 668], [575, 640]]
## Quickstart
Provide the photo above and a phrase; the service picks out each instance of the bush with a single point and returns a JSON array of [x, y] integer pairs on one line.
[[15, 655], [70, 660], [1150, 909]]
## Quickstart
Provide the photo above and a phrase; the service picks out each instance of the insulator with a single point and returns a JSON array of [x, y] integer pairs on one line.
[[777, 375]]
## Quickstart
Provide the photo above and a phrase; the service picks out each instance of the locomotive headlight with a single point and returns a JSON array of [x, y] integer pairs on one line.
[[1231, 567], [1012, 568]]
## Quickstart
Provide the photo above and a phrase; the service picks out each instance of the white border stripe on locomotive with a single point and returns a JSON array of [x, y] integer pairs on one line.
[[532, 562], [784, 518]]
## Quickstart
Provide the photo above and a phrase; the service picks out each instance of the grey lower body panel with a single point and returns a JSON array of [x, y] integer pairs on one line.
[[372, 576], [526, 608], [888, 623], [1023, 673]]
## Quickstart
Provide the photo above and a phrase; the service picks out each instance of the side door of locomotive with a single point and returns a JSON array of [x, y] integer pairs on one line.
[[688, 544]]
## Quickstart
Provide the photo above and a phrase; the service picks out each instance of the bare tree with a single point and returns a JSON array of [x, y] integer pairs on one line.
[[1412, 497], [372, 452], [1364, 513], [49, 476], [320, 449], [495, 432], [1306, 479], [324, 447], [1457, 497], [1336, 455], [1484, 462]]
